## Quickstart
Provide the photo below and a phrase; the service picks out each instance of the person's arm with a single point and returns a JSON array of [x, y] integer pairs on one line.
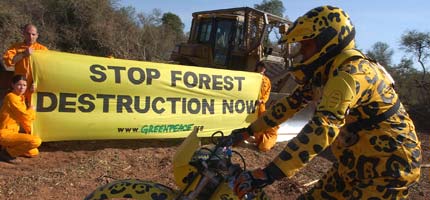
[[8, 57], [19, 56], [21, 113], [339, 95], [265, 90], [317, 134], [15, 54], [283, 109]]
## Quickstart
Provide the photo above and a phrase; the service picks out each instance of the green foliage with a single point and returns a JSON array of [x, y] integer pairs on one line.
[[382, 53], [93, 27], [275, 7], [417, 44], [173, 22]]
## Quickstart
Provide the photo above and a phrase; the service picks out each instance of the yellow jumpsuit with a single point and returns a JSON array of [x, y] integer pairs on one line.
[[22, 67], [376, 159], [265, 139], [14, 114]]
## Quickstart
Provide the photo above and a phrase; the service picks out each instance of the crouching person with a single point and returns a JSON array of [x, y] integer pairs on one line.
[[14, 115]]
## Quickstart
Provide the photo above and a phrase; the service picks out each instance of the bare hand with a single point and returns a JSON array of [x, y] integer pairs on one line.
[[32, 107], [28, 52], [32, 88]]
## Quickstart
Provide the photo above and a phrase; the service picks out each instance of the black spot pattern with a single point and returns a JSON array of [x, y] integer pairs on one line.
[[331, 132], [357, 87], [132, 188], [395, 166], [141, 188], [157, 196], [319, 131], [293, 146], [304, 156], [279, 109], [188, 178], [303, 138], [307, 129], [269, 121], [416, 159], [366, 167], [119, 187], [347, 158], [383, 143], [371, 109], [317, 121], [317, 148], [285, 156], [295, 101]]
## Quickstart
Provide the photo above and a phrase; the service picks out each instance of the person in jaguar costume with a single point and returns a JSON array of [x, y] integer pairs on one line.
[[358, 115]]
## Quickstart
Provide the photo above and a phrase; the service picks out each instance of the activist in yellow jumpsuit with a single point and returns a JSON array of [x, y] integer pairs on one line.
[[18, 56], [358, 115], [13, 115], [266, 139]]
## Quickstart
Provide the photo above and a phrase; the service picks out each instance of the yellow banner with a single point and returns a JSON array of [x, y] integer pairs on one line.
[[85, 97]]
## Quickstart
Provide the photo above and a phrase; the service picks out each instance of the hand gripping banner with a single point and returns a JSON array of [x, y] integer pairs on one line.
[[81, 97]]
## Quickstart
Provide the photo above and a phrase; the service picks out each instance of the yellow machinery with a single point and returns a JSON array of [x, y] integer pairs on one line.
[[236, 39]]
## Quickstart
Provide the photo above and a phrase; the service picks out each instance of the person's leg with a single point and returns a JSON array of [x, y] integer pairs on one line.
[[18, 144], [332, 186], [32, 153], [387, 187], [4, 156], [268, 139]]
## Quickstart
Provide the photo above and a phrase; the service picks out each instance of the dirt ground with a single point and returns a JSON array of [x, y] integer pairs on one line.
[[71, 170]]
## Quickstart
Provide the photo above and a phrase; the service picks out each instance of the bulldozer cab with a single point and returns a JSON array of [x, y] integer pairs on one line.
[[235, 38]]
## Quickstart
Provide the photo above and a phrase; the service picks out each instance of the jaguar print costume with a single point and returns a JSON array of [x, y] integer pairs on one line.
[[359, 116]]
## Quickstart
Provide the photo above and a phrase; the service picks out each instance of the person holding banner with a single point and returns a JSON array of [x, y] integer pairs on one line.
[[18, 56], [358, 115], [14, 115], [266, 139]]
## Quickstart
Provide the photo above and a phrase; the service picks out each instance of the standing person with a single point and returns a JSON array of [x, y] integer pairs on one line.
[[13, 115], [358, 114], [266, 139], [18, 56]]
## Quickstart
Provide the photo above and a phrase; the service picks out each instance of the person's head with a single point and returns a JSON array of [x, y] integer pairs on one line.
[[260, 67], [19, 84], [30, 34], [318, 36]]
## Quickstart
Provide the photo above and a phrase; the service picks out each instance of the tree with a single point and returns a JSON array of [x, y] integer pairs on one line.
[[382, 53], [173, 22], [275, 7], [402, 73], [418, 44], [160, 33]]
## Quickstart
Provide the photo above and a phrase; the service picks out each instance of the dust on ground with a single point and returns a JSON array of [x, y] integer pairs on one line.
[[71, 170]]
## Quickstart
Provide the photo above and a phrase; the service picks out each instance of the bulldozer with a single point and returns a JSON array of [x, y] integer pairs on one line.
[[237, 39]]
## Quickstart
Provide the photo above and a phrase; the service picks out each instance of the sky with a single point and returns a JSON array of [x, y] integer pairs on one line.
[[375, 20]]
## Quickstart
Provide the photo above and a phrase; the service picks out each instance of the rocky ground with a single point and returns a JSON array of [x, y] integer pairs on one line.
[[70, 170]]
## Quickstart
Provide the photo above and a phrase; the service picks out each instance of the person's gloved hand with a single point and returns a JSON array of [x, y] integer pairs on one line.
[[248, 181], [237, 136]]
